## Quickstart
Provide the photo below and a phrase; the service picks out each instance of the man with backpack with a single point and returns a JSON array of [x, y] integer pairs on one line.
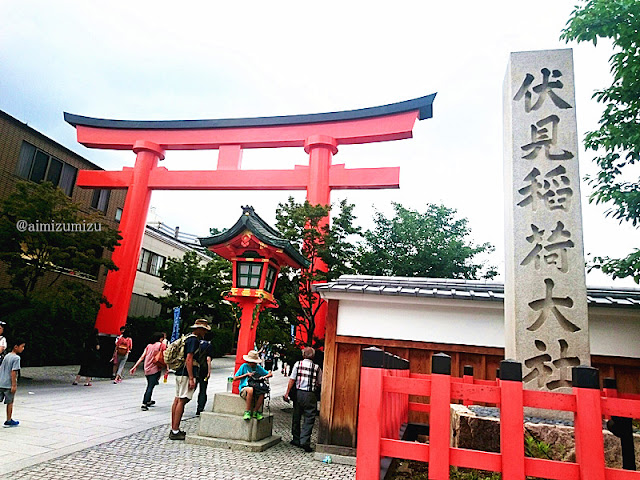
[[185, 374]]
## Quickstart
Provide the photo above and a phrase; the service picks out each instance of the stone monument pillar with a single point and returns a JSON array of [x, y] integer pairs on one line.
[[546, 322]]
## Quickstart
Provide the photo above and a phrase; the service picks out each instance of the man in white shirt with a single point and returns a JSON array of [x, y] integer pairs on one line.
[[306, 376]]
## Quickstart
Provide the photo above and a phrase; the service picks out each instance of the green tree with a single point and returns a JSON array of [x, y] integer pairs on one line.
[[47, 243], [198, 287], [616, 143], [431, 244], [303, 225]]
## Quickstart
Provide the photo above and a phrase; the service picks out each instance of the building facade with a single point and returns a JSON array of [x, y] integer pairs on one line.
[[26, 154], [415, 318]]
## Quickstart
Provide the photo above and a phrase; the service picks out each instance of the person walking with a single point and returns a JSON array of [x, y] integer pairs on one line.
[[9, 379], [204, 373], [306, 376], [124, 344], [3, 341], [186, 377], [153, 365], [89, 359]]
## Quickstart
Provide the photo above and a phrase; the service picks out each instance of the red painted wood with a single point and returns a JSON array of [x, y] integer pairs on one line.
[[439, 427], [399, 449], [538, 467], [118, 286], [247, 334], [588, 434], [475, 393], [550, 401], [229, 157], [380, 129], [512, 430], [403, 384], [419, 407], [465, 458], [617, 474], [467, 379], [620, 407], [369, 431]]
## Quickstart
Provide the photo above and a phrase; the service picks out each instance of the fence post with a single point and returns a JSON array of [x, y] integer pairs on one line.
[[621, 427], [467, 377], [370, 415], [440, 418], [511, 420], [588, 423]]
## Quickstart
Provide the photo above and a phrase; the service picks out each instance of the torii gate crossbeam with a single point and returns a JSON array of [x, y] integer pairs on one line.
[[319, 134]]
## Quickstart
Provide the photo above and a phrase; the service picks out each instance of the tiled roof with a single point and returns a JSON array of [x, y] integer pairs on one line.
[[484, 290]]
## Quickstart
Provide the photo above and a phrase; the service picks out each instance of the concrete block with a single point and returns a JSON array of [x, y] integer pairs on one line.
[[241, 445], [228, 403], [233, 427]]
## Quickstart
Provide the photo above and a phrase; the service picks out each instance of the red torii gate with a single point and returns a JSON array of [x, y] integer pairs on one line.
[[319, 134]]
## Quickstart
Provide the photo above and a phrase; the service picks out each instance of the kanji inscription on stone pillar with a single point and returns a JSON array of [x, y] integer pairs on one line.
[[546, 322]]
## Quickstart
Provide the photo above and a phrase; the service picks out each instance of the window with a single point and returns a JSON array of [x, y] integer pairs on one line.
[[100, 199], [248, 274], [150, 262], [270, 280], [118, 216], [37, 166]]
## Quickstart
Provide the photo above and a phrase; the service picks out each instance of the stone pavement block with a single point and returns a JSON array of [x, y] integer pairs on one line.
[[148, 453]]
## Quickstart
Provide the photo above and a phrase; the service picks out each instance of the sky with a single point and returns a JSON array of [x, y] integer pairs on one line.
[[159, 60]]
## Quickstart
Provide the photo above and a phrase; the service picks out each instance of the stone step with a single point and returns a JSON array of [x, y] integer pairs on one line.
[[234, 427], [229, 403]]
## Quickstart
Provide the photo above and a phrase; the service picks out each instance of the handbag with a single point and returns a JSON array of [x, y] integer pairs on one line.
[[158, 358], [260, 386]]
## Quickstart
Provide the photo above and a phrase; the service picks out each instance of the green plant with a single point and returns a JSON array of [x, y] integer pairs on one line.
[[536, 448]]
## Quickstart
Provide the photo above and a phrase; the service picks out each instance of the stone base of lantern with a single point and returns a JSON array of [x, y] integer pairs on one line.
[[224, 427]]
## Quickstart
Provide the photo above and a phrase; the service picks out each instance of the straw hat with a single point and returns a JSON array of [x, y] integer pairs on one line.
[[252, 357], [201, 323]]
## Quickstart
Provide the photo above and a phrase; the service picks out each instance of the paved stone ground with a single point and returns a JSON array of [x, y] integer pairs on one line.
[[150, 455]]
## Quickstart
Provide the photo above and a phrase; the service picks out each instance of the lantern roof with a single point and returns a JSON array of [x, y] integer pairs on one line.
[[229, 242]]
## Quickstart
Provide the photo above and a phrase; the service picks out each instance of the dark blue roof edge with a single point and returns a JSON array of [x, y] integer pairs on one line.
[[423, 104], [254, 223]]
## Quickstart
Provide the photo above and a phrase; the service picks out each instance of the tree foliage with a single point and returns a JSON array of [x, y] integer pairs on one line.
[[431, 244], [29, 253], [303, 225], [616, 143], [197, 287]]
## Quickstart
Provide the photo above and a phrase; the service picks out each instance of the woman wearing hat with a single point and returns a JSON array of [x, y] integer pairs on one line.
[[246, 370]]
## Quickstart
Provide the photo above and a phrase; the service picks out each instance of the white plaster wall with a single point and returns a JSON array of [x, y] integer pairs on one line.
[[612, 331], [436, 321]]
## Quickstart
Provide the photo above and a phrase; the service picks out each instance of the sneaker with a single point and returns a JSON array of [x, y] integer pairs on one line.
[[151, 403], [258, 415], [197, 414], [88, 384], [177, 436], [74, 383], [144, 407], [11, 423], [247, 415]]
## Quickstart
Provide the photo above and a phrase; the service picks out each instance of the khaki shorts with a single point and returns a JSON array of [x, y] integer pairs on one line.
[[182, 387], [243, 392]]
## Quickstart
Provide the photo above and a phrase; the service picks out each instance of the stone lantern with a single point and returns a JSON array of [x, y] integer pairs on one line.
[[258, 252]]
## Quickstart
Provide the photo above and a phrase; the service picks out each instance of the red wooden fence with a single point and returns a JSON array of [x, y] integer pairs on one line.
[[384, 406]]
